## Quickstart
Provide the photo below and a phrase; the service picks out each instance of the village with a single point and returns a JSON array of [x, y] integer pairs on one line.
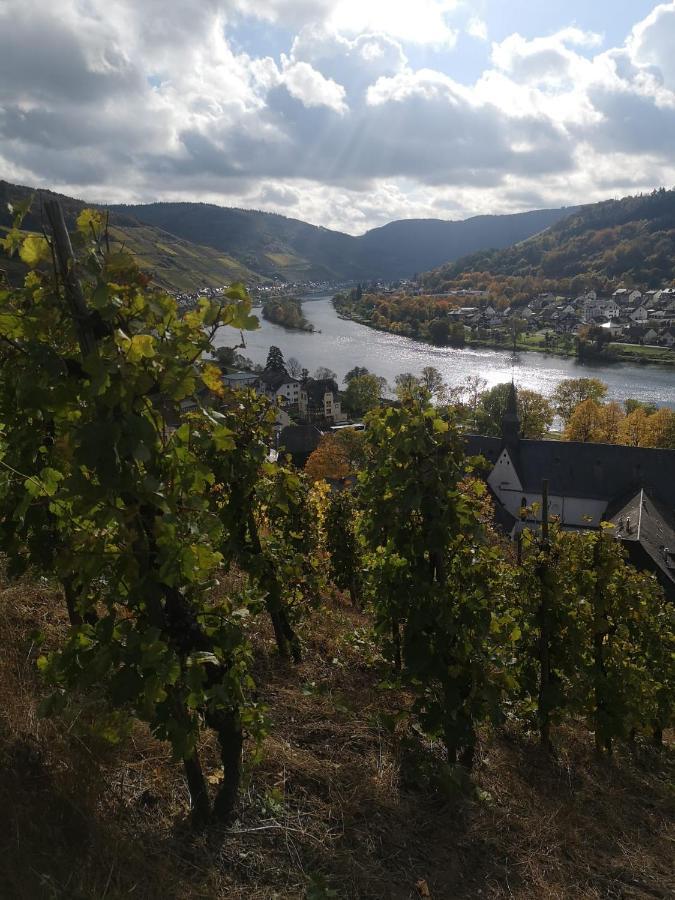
[[626, 316]]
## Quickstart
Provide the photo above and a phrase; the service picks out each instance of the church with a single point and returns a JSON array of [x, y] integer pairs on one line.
[[631, 487]]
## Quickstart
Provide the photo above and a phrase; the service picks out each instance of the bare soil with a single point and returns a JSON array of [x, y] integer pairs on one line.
[[342, 800]]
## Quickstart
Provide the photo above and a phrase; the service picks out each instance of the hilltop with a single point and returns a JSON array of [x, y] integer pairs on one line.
[[174, 263], [629, 241], [275, 245], [189, 245]]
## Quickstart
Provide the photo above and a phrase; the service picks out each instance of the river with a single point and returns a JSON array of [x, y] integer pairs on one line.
[[340, 344]]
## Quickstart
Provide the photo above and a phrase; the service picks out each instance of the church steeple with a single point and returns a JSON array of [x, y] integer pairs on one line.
[[511, 419]]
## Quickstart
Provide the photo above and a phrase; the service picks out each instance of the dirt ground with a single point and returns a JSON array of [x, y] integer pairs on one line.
[[342, 800]]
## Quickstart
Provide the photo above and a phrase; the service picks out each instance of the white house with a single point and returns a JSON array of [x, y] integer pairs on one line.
[[279, 387], [319, 399], [639, 314]]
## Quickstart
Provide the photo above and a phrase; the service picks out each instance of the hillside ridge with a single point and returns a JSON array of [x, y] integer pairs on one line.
[[250, 244], [630, 240]]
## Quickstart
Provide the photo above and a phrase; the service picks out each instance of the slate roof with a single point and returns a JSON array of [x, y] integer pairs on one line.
[[273, 379], [300, 441], [595, 471], [646, 523], [317, 388], [240, 377], [637, 483]]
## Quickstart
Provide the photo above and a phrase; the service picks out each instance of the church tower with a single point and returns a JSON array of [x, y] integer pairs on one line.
[[511, 419]]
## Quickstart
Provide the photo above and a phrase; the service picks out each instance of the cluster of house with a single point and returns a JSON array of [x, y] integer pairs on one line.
[[282, 288], [628, 315], [314, 401], [187, 300], [310, 399], [275, 287]]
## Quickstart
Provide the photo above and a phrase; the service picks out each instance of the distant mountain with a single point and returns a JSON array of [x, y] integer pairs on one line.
[[275, 245], [189, 245], [415, 245], [173, 262], [630, 240]]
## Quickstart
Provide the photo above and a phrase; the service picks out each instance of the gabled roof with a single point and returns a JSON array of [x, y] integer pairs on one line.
[[316, 389], [644, 521], [598, 471], [274, 378], [299, 440]]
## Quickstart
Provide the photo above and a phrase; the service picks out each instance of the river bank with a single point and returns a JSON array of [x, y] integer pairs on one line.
[[536, 343], [341, 344]]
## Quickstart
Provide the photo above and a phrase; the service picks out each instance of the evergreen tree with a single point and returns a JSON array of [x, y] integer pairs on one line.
[[275, 361]]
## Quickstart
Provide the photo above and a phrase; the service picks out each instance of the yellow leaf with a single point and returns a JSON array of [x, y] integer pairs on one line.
[[90, 220], [440, 426], [34, 249], [213, 379], [140, 346]]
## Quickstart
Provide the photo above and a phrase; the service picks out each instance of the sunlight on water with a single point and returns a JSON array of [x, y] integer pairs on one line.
[[342, 344]]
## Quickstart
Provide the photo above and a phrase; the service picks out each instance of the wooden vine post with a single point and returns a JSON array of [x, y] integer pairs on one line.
[[545, 625]]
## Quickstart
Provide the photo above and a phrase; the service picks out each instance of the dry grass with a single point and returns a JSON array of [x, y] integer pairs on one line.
[[337, 806]]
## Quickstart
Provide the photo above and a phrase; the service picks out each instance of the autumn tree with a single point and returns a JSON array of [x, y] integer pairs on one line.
[[634, 429], [661, 429], [328, 461], [573, 391], [364, 392], [586, 423], [339, 454]]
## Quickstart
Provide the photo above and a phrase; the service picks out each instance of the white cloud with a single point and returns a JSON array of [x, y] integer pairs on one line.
[[311, 87], [422, 22], [545, 59], [149, 100], [652, 41], [356, 63], [477, 28]]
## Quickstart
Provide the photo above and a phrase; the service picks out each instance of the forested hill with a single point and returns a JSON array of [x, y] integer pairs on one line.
[[265, 242], [276, 245], [630, 240], [414, 245], [174, 263], [190, 245]]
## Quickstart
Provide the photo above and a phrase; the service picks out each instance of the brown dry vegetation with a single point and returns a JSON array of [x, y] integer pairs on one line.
[[337, 805]]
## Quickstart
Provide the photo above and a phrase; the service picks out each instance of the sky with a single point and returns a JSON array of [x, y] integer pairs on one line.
[[345, 113]]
